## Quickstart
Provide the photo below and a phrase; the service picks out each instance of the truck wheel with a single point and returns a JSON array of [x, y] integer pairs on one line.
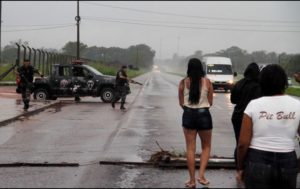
[[41, 94], [107, 95]]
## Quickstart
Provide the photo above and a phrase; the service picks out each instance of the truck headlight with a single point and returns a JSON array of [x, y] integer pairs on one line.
[[230, 81]]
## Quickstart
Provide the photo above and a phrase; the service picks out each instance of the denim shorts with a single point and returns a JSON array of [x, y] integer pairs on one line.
[[197, 119], [270, 170]]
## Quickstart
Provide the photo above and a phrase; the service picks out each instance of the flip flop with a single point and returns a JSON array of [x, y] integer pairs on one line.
[[189, 185], [205, 183]]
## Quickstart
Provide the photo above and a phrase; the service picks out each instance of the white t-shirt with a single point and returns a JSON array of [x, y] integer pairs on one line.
[[275, 123]]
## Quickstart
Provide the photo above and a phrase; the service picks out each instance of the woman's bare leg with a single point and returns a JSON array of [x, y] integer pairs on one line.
[[205, 137], [190, 138]]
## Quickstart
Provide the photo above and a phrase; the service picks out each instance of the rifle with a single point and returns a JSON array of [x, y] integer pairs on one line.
[[135, 82]]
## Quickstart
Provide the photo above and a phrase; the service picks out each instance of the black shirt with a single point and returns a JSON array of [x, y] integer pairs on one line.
[[120, 81], [242, 93], [26, 74]]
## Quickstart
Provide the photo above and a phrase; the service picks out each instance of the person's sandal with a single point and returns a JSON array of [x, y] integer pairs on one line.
[[189, 185], [187, 182], [205, 183]]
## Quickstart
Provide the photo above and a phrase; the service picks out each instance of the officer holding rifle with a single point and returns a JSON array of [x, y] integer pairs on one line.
[[25, 75], [122, 87]]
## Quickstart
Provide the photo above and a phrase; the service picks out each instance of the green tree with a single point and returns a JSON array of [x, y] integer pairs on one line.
[[71, 48], [9, 52]]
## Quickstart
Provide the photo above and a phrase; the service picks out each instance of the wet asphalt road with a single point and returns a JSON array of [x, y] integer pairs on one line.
[[91, 131]]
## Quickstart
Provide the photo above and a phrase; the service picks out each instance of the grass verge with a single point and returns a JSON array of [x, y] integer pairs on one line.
[[112, 70], [11, 76], [178, 74], [293, 91]]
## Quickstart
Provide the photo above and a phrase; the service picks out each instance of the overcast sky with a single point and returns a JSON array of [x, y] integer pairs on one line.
[[107, 26]]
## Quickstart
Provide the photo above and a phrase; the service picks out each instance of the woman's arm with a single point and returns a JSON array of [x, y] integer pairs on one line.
[[299, 130], [210, 92], [245, 140], [181, 93]]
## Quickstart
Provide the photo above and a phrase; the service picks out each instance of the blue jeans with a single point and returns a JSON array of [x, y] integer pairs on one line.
[[270, 170]]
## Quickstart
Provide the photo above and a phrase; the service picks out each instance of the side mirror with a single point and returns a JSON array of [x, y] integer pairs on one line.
[[235, 74]]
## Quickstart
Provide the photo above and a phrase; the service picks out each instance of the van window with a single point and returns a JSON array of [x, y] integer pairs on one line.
[[219, 69]]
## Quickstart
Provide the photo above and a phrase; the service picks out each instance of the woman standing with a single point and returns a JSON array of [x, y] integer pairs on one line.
[[242, 93], [196, 97], [266, 150]]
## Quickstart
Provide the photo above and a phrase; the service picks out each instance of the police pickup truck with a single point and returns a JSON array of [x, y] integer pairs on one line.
[[68, 80]]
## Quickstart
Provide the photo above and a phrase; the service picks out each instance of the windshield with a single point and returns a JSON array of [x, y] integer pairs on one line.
[[96, 72], [219, 69]]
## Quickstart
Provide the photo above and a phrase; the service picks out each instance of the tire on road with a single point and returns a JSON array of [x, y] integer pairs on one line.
[[41, 94], [107, 94]]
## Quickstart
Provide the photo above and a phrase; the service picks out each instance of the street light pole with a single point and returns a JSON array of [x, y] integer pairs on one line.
[[77, 18]]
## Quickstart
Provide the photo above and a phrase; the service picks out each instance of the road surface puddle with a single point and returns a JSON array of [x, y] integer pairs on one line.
[[128, 177], [55, 109], [148, 107]]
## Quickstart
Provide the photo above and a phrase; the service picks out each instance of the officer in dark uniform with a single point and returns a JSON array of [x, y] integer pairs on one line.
[[122, 84], [26, 73], [77, 72]]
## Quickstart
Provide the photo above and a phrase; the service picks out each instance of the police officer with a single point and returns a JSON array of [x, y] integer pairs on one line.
[[77, 72], [26, 73], [122, 82]]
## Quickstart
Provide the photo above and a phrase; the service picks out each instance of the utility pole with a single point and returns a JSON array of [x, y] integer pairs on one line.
[[0, 30], [178, 44], [137, 57], [77, 18], [160, 48]]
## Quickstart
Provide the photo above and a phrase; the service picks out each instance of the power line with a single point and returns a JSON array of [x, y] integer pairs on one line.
[[190, 27], [37, 25], [190, 16], [194, 23], [45, 28]]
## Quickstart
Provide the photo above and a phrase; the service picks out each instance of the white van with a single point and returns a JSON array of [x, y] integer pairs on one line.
[[219, 71]]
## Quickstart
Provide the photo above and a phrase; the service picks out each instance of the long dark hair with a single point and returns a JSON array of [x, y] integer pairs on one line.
[[195, 72]]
